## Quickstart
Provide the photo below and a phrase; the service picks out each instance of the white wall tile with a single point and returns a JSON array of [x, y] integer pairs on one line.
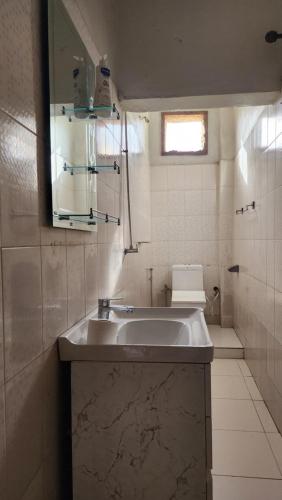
[[278, 213], [1, 335], [185, 216], [278, 316], [193, 177], [176, 228], [24, 410], [210, 253], [19, 185], [210, 202], [159, 228], [159, 203], [278, 265], [193, 228], [2, 445], [54, 292], [175, 203], [210, 227], [278, 160], [257, 291], [18, 88], [160, 254], [193, 203], [176, 252], [226, 173], [175, 177], [76, 284], [194, 252], [210, 176], [158, 178], [22, 307], [91, 277]]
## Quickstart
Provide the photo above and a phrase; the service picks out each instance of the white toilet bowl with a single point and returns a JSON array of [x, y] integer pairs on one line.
[[188, 286]]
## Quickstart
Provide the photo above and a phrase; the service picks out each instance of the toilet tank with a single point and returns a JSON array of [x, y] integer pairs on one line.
[[187, 277]]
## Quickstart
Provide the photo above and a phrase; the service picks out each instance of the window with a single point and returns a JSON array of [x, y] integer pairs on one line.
[[185, 133]]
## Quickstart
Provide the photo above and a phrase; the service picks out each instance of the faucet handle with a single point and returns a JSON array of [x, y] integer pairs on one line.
[[105, 302]]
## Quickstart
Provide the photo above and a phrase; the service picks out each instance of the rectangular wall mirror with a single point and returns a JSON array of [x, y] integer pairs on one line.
[[76, 153]]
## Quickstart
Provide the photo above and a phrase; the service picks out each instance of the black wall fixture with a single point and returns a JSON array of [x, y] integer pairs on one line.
[[234, 269], [272, 36]]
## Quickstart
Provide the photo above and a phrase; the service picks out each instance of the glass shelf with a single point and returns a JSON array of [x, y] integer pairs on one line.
[[90, 112], [94, 169], [94, 217]]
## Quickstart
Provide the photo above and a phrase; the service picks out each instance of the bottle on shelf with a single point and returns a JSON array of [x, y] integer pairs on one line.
[[103, 88]]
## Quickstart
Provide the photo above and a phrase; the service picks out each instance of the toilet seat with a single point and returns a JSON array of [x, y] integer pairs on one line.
[[188, 298]]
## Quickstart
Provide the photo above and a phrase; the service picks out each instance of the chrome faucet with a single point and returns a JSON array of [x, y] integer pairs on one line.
[[104, 308]]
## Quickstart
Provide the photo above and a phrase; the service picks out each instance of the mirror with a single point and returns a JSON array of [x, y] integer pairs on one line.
[[73, 128]]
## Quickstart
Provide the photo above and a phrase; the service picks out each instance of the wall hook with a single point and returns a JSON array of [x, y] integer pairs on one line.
[[251, 205], [240, 211]]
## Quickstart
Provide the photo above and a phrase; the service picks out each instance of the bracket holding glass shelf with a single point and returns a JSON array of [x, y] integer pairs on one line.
[[90, 112], [94, 169], [91, 219]]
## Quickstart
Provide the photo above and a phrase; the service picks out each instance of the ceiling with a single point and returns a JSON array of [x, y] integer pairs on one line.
[[175, 48], [171, 48]]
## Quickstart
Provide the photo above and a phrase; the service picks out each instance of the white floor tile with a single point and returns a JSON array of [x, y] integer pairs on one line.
[[265, 417], [232, 414], [224, 337], [247, 454], [275, 440], [244, 368], [225, 367], [229, 387], [214, 328], [242, 488], [252, 387]]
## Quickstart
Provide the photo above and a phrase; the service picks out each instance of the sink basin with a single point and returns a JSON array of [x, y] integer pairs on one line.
[[101, 332], [153, 332], [148, 334]]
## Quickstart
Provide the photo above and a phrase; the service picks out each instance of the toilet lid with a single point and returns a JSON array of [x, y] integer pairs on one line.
[[183, 296]]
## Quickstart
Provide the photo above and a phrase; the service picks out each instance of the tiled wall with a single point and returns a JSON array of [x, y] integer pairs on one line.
[[50, 277], [185, 208], [257, 248], [225, 212], [135, 274], [185, 223], [192, 206]]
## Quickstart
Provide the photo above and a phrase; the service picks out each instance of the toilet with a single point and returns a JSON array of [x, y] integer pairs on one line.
[[188, 286]]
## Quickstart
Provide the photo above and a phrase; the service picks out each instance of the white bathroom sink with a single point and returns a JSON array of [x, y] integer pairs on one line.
[[153, 332], [148, 334]]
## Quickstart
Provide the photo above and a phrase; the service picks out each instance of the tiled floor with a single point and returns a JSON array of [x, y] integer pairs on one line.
[[247, 448], [226, 343]]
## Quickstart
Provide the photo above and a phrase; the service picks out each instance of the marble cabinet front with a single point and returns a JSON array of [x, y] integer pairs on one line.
[[139, 431]]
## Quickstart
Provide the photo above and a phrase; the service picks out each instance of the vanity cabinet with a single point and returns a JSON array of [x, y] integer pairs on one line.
[[141, 430]]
